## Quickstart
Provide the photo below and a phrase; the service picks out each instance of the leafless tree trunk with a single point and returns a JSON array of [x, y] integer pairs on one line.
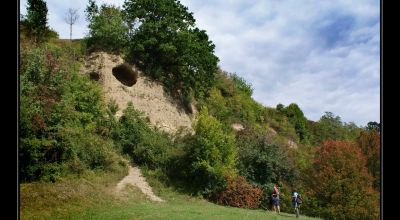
[[71, 18]]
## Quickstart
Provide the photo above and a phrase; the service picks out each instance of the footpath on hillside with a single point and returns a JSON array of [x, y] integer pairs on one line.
[[135, 178]]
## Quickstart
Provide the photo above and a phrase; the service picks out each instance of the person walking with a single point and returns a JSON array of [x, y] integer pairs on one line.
[[297, 201], [275, 199]]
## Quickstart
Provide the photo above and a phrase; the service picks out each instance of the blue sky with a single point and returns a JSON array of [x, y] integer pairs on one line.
[[322, 55]]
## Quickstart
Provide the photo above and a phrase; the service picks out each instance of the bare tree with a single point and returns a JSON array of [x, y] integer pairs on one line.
[[71, 18]]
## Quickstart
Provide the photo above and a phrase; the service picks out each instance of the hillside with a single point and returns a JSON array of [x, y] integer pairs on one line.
[[96, 136], [70, 196]]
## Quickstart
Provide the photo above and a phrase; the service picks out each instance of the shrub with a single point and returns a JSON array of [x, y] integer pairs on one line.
[[233, 107], [242, 85], [152, 152], [224, 83], [93, 151], [261, 160], [61, 114], [280, 123], [212, 155], [239, 193], [217, 106], [131, 127], [145, 145]]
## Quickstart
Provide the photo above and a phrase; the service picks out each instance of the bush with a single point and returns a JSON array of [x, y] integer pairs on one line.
[[145, 145], [242, 85], [232, 105], [61, 117], [280, 123], [89, 148], [212, 155], [262, 161], [225, 84], [240, 193], [152, 152], [217, 106], [131, 127]]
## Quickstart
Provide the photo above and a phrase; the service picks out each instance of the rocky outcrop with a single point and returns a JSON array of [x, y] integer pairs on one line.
[[146, 95]]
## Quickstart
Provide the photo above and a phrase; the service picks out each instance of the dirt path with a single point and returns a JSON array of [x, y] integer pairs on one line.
[[135, 178]]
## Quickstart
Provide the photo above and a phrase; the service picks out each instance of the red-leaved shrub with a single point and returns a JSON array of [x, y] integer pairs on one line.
[[240, 193]]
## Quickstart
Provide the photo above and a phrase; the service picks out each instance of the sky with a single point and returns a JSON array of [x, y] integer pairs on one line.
[[322, 55]]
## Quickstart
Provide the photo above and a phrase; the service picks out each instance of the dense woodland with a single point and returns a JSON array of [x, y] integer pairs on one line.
[[67, 128]]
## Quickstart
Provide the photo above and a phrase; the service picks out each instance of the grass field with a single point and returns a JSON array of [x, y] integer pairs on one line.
[[93, 197]]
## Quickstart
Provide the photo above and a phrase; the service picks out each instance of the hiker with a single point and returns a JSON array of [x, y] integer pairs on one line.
[[297, 200], [275, 202], [275, 198]]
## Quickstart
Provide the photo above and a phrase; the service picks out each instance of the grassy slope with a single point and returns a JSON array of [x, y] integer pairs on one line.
[[92, 197]]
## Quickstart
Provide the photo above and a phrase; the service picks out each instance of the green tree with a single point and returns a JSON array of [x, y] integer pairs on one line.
[[37, 19], [264, 161], [297, 119], [165, 44], [277, 119], [91, 10], [280, 107], [329, 126], [107, 29], [373, 125], [212, 153]]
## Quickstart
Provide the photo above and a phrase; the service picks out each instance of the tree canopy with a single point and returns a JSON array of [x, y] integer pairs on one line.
[[107, 29], [37, 18], [340, 183], [166, 45]]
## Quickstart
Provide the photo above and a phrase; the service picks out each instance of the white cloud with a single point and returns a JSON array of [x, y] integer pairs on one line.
[[322, 55]]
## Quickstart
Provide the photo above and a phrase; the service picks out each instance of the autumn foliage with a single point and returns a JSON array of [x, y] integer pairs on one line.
[[340, 184], [369, 142], [240, 193]]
